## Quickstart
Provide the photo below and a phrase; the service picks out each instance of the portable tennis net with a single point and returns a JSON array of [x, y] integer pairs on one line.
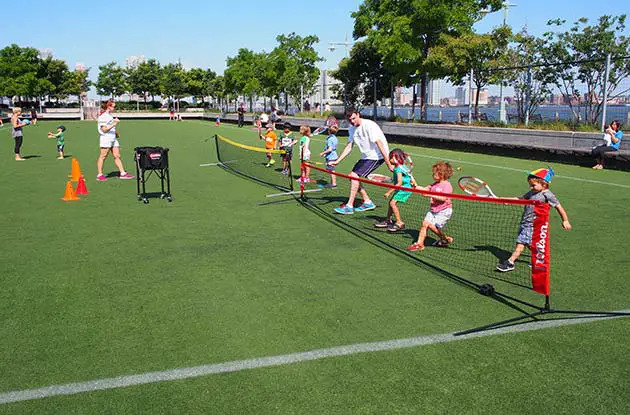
[[253, 162]]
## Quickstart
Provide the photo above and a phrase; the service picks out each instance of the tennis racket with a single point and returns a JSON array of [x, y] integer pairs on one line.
[[408, 166], [330, 121], [475, 186], [379, 178]]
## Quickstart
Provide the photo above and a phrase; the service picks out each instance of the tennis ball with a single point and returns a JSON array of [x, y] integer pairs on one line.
[[459, 169]]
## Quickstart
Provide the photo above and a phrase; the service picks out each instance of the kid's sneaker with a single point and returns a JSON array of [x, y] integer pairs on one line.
[[345, 210], [385, 224], [365, 206], [101, 178], [505, 266], [127, 176]]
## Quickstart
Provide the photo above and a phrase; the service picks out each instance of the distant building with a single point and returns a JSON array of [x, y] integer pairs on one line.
[[434, 92], [461, 95]]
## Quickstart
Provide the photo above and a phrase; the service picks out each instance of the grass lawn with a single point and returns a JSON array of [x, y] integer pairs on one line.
[[108, 286]]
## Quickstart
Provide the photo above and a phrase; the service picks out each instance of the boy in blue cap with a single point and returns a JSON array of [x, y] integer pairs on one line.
[[539, 184], [59, 135]]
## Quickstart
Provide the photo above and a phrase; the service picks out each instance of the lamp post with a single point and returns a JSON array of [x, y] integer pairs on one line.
[[347, 44], [333, 45], [502, 114]]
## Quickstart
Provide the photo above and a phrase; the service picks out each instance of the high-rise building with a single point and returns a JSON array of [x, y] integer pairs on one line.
[[434, 92], [461, 95]]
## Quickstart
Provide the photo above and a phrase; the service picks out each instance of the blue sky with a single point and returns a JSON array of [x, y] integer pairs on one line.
[[204, 33]]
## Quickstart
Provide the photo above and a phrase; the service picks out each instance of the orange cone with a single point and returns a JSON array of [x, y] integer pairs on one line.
[[69, 195], [81, 187], [76, 170]]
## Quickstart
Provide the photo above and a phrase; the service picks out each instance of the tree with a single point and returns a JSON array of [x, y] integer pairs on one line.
[[209, 83], [195, 83], [403, 31], [77, 83], [532, 85], [455, 57], [173, 81], [587, 46], [243, 74], [293, 61], [52, 74], [18, 71], [112, 80], [144, 79], [358, 74]]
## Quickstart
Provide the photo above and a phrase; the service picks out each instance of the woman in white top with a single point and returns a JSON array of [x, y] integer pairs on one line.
[[109, 141], [17, 131]]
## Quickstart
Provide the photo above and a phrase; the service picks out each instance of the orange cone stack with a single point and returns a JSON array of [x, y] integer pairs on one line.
[[69, 195], [76, 170], [81, 187]]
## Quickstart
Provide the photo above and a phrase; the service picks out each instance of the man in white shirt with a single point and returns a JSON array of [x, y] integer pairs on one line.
[[369, 137]]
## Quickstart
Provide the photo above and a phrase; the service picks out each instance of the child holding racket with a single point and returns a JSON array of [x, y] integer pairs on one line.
[[539, 190], [286, 143], [401, 178], [305, 152], [330, 152], [270, 144], [441, 208]]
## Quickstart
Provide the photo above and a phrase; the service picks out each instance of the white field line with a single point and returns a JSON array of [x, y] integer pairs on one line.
[[271, 361]]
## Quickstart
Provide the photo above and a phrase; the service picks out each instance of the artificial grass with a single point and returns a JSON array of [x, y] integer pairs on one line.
[[107, 286]]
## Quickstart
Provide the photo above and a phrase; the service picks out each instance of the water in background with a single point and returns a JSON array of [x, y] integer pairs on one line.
[[450, 114]]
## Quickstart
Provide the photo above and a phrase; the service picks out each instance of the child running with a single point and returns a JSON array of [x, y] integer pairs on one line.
[[305, 153], [270, 144], [330, 152], [441, 207], [286, 143], [401, 178], [539, 181], [59, 135]]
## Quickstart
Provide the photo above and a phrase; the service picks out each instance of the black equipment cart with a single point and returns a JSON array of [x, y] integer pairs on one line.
[[153, 160]]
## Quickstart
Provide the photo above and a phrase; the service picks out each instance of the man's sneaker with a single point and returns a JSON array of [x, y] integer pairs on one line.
[[272, 161], [101, 178], [345, 210], [505, 266], [285, 171], [127, 176], [385, 224], [365, 206]]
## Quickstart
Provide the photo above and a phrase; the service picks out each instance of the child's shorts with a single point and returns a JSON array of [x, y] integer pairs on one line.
[[439, 219], [60, 148], [525, 234], [330, 167], [288, 155], [401, 196]]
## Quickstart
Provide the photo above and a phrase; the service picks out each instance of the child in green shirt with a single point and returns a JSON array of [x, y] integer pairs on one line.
[[59, 135]]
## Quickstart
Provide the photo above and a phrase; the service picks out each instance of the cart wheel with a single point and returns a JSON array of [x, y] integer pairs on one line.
[[139, 197], [169, 198], [162, 196], [146, 201]]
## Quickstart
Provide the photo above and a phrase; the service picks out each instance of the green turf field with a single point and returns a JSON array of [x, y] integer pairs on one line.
[[107, 287]]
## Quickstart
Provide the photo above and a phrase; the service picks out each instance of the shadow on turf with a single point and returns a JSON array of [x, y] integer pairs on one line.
[[484, 289]]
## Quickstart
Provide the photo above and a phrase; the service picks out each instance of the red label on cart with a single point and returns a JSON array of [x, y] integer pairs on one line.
[[155, 156]]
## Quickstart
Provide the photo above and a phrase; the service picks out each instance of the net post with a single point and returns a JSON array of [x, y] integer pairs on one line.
[[216, 147], [540, 250]]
